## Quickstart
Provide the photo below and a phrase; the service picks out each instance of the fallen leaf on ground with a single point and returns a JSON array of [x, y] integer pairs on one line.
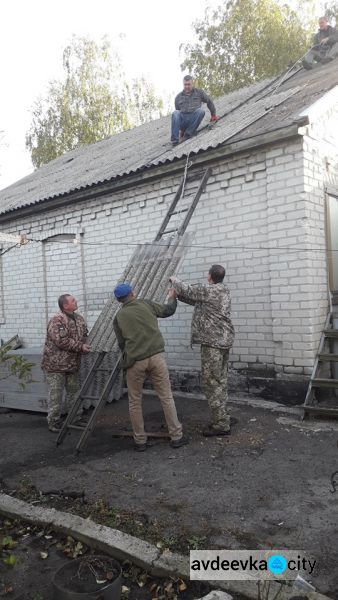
[[8, 542], [10, 561], [8, 590]]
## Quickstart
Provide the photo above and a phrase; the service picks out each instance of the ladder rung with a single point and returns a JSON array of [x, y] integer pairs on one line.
[[177, 212], [169, 231], [321, 410], [331, 333], [327, 383], [79, 427], [90, 397], [328, 357], [102, 369], [197, 175]]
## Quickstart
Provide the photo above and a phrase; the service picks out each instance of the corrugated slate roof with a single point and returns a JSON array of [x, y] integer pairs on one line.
[[250, 111]]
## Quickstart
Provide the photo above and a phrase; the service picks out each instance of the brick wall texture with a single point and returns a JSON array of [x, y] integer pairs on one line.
[[262, 216]]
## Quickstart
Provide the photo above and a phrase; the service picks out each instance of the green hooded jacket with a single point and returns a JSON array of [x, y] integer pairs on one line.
[[137, 330]]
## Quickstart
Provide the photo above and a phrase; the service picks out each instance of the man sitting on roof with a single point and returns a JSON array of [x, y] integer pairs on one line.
[[325, 45], [188, 114]]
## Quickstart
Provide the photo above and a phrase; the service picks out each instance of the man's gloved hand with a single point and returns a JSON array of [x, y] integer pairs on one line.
[[214, 118]]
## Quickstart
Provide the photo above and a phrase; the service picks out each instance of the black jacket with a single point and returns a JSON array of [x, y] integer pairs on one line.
[[188, 103], [329, 32]]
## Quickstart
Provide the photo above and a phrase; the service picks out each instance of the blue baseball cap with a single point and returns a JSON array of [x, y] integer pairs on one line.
[[122, 290]]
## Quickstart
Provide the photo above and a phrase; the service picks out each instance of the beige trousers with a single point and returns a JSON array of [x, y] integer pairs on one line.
[[157, 370]]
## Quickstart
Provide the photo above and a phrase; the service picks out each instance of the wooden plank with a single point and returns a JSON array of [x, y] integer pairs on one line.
[[153, 434], [331, 333], [328, 357], [22, 400], [321, 410], [327, 383]]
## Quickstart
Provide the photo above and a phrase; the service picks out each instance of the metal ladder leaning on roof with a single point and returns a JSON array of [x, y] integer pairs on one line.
[[311, 405], [148, 272]]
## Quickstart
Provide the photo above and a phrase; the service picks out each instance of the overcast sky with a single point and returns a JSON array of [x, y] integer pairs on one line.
[[34, 34]]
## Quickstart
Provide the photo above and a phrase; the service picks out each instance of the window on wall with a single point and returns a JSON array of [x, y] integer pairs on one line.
[[63, 271], [332, 240]]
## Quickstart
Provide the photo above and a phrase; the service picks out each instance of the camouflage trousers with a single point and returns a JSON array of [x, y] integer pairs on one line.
[[215, 384], [57, 384]]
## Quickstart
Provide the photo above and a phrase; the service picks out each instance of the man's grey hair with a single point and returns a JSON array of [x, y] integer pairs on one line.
[[62, 300], [187, 78], [324, 18]]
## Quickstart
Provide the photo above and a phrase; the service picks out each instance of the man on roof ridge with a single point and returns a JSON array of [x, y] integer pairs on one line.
[[325, 45], [189, 112]]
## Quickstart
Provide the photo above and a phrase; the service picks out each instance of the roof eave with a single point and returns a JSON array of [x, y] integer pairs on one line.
[[150, 173], [321, 106]]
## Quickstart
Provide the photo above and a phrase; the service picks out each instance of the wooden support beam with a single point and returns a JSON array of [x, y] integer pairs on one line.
[[153, 434]]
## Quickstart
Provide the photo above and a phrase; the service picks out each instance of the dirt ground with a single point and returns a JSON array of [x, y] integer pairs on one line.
[[266, 486], [40, 552]]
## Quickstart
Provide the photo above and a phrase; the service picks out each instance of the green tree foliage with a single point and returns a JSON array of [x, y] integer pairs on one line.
[[92, 102], [143, 103], [244, 41], [331, 12], [15, 365]]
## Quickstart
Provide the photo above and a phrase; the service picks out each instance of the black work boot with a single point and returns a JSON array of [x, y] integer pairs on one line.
[[56, 426], [211, 431], [142, 447], [183, 441]]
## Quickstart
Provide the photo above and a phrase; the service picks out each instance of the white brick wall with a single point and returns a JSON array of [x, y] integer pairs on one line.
[[261, 215], [2, 304]]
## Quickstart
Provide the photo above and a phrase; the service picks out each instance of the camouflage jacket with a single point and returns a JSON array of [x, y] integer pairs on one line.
[[211, 324], [65, 337]]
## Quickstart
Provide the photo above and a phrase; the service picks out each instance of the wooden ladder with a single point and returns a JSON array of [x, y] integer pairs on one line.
[[184, 203], [311, 404]]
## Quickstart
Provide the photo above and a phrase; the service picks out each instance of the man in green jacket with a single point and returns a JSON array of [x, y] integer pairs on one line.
[[142, 344]]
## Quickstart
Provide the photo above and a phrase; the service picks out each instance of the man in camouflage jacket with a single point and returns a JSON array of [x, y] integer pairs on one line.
[[212, 328], [65, 342]]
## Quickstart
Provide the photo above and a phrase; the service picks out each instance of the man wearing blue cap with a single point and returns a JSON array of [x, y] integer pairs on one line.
[[142, 344]]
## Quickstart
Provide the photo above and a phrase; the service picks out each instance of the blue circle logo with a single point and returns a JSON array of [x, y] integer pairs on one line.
[[277, 564]]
